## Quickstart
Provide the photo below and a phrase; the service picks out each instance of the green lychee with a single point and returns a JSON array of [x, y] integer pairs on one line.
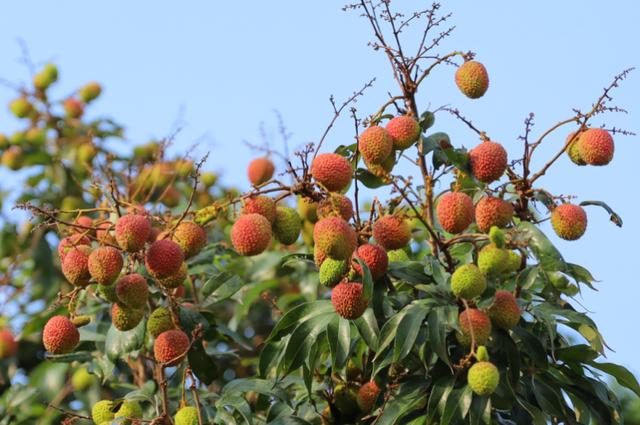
[[492, 260], [287, 225], [468, 282], [332, 271], [483, 378]]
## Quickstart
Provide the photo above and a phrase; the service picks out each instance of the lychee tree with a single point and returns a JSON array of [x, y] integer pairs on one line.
[[170, 299]]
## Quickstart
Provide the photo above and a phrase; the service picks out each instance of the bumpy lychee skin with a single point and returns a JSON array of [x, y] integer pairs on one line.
[[102, 413], [492, 211], [175, 280], [569, 221], [483, 378], [125, 318], [66, 244], [308, 209], [455, 211], [492, 260], [260, 170], [468, 282], [383, 170], [104, 233], [332, 271], [251, 234], [132, 231], [336, 205], [345, 398], [170, 347], [348, 300], [159, 321], [191, 238], [375, 144], [573, 150], [504, 312], [514, 262], [262, 205], [488, 161], [476, 320], [286, 227], [367, 396], [404, 131], [332, 171], [163, 258], [60, 335], [472, 79], [8, 344], [335, 237], [188, 415], [596, 146], [75, 266], [375, 257], [132, 290], [392, 232], [397, 256], [105, 264]]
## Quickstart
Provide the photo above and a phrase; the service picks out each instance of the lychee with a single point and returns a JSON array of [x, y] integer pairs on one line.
[[251, 234], [108, 293], [492, 260], [404, 131], [75, 266], [596, 146], [287, 225], [573, 150], [187, 415], [488, 161], [483, 378], [492, 211], [504, 312], [90, 92], [332, 171], [367, 396], [175, 280], [260, 170], [513, 263], [375, 257], [392, 232], [21, 107], [128, 409], [102, 412], [478, 321], [375, 144], [163, 258], [569, 221], [170, 347], [455, 211], [60, 335], [125, 318], [159, 321], [397, 256], [472, 79], [105, 264], [191, 238], [82, 379], [8, 344], [335, 237], [132, 290], [308, 209], [73, 108], [336, 205], [468, 282], [262, 205], [348, 300], [13, 158], [70, 242], [345, 398], [132, 232], [332, 271]]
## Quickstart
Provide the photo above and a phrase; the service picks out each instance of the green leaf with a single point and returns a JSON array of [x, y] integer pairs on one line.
[[407, 398], [438, 326], [408, 329], [368, 329], [223, 292], [621, 373], [339, 338], [576, 353], [298, 315], [369, 179], [367, 280], [119, 343], [303, 337], [480, 411], [78, 356], [263, 386], [548, 255], [613, 216], [202, 364]]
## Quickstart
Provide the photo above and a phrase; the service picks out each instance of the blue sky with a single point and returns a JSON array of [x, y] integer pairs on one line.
[[221, 68]]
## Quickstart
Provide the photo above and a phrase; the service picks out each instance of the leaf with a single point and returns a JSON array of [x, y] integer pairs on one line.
[[368, 329], [388, 332], [621, 373], [119, 343], [79, 356], [190, 319], [548, 255], [407, 398], [408, 329], [438, 327], [292, 259], [263, 386], [339, 338], [303, 337], [223, 292], [369, 179], [215, 282], [367, 280], [576, 353], [580, 274], [202, 364], [480, 411], [548, 397], [613, 216], [298, 315]]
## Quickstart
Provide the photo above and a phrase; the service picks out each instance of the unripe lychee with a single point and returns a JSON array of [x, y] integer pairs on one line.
[[8, 344], [260, 170], [375, 257], [73, 108], [482, 354], [132, 291], [90, 91], [497, 237], [128, 409], [170, 347], [345, 398], [287, 225], [102, 412], [125, 318], [335, 237], [375, 144], [163, 258], [367, 396], [332, 271], [336, 205], [404, 131], [596, 146], [348, 300], [36, 136], [82, 379], [573, 150], [468, 282], [13, 158], [175, 280], [332, 171], [492, 211], [47, 76], [308, 209], [21, 107], [504, 312], [188, 415], [455, 211], [60, 335], [397, 256], [105, 264], [132, 232], [383, 170], [251, 234], [488, 161], [70, 242], [392, 232], [262, 205], [569, 221], [478, 321], [159, 321], [472, 79], [513, 263], [191, 238], [75, 266], [108, 293], [492, 260], [483, 378]]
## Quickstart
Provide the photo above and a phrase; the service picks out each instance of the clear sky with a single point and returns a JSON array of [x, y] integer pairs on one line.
[[221, 68]]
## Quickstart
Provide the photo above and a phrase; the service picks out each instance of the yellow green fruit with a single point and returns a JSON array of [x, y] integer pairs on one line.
[[375, 144], [472, 79], [128, 409], [332, 271], [514, 262], [90, 91], [82, 379], [335, 237], [187, 416], [13, 158], [124, 318], [482, 354], [483, 378], [159, 321], [573, 150], [101, 412], [287, 225], [208, 179], [21, 107], [492, 260], [36, 136], [108, 293], [397, 256], [569, 221], [251, 234], [497, 237], [468, 282]]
